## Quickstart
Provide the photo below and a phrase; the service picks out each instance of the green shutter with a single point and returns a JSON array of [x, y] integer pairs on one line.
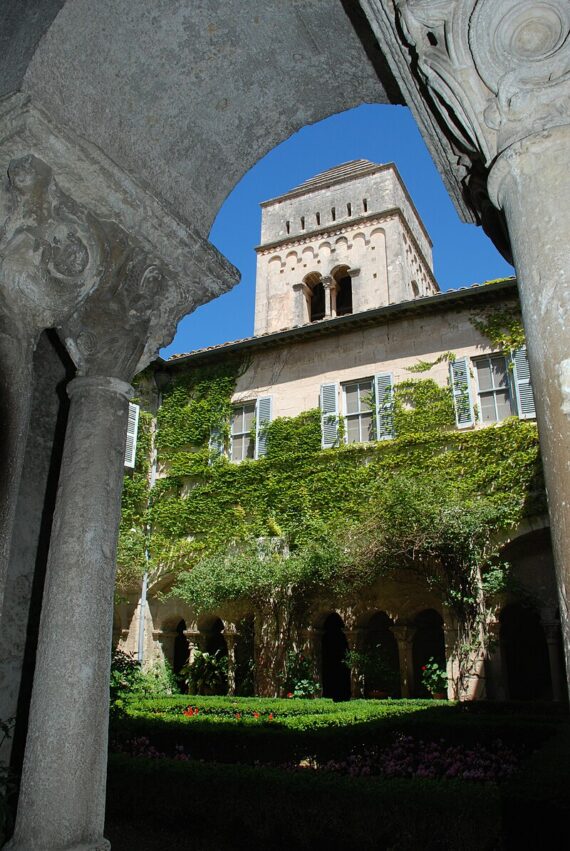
[[132, 432], [461, 389], [384, 396], [523, 387], [262, 417], [329, 415]]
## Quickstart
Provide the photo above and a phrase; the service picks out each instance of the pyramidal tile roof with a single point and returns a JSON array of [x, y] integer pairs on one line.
[[338, 174]]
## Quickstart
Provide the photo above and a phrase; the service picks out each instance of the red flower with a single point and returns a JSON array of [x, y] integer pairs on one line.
[[238, 715], [423, 667], [289, 694], [256, 714], [271, 716]]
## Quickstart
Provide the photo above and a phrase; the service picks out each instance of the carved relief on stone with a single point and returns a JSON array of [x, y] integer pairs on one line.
[[52, 251], [110, 332], [497, 71]]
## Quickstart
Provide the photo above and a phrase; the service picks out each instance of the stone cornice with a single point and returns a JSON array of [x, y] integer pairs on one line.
[[467, 298]]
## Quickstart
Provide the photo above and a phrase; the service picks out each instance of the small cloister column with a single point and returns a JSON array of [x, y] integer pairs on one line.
[[354, 640], [497, 75], [329, 285], [404, 635], [496, 680], [231, 636]]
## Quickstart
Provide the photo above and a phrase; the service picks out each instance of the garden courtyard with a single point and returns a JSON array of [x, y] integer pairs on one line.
[[219, 772]]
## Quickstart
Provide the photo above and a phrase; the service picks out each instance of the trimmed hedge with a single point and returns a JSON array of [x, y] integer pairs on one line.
[[314, 728], [229, 807]]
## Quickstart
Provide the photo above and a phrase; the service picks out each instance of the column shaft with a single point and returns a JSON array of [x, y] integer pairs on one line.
[[16, 388], [531, 183], [70, 702]]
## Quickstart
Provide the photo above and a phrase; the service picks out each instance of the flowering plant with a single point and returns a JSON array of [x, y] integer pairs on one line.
[[299, 679], [434, 677]]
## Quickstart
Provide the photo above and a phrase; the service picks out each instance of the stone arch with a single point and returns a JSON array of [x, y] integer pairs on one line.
[[343, 291], [379, 641], [525, 653], [335, 675], [212, 638], [428, 641], [316, 296]]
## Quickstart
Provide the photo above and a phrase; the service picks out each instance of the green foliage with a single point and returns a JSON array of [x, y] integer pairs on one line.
[[129, 682], [422, 407], [503, 328], [372, 669], [434, 677], [299, 680], [197, 402], [426, 365], [207, 673], [287, 436], [276, 532]]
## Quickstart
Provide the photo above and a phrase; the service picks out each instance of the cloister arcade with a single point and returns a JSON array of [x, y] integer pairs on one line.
[[115, 161]]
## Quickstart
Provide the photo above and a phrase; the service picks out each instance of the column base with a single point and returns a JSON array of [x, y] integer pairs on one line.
[[97, 845]]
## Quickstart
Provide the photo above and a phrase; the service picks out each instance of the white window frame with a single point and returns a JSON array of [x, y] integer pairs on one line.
[[235, 406], [359, 413], [511, 390]]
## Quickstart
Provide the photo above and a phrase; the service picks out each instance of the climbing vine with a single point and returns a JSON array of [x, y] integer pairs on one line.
[[503, 328], [431, 500]]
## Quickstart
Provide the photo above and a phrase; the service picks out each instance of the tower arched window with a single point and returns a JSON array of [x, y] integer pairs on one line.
[[317, 306], [343, 291]]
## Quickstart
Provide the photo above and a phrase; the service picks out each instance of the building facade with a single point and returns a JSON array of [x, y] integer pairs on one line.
[[349, 323]]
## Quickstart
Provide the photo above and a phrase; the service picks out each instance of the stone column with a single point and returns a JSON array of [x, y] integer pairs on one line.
[[16, 387], [69, 708], [354, 639], [552, 635], [404, 635], [531, 183], [329, 285], [231, 637], [495, 680], [110, 337], [497, 76], [192, 636]]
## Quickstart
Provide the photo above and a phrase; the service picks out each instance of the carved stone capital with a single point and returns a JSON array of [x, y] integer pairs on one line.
[[497, 71], [53, 251], [74, 228], [118, 330], [479, 76]]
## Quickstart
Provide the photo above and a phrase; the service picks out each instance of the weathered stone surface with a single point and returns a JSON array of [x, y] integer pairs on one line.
[[164, 86]]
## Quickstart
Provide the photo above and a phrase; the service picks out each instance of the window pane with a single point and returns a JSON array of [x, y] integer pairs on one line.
[[503, 404], [237, 448], [351, 398], [488, 414], [248, 415], [237, 420], [366, 427], [352, 430], [248, 447], [365, 393], [500, 373], [484, 375]]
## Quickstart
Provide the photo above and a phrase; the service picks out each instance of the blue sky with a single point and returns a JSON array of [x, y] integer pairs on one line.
[[463, 255]]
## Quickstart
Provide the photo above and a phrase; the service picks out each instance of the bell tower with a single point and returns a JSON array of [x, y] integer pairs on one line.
[[345, 241]]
